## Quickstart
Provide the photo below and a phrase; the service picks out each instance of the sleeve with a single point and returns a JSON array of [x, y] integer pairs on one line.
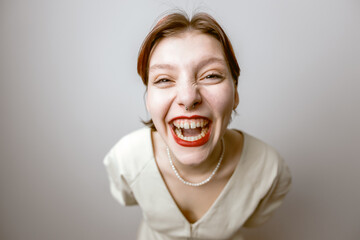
[[273, 199], [119, 186]]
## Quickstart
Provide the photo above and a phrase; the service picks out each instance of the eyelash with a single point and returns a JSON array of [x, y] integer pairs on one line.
[[162, 80], [209, 76], [213, 75]]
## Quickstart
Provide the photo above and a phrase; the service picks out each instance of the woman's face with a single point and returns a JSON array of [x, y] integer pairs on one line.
[[190, 70]]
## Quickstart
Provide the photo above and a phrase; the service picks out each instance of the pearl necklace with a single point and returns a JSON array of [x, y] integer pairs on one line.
[[206, 180]]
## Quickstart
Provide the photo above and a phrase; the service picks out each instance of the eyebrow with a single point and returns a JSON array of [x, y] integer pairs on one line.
[[209, 61], [203, 63], [161, 66]]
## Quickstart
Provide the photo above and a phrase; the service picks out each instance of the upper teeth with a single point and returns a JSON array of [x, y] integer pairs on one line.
[[190, 123]]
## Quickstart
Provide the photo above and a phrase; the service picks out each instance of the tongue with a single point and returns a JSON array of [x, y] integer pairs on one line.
[[191, 132]]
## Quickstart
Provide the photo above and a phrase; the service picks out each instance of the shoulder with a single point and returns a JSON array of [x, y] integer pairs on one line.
[[261, 157], [131, 153], [134, 140], [258, 147]]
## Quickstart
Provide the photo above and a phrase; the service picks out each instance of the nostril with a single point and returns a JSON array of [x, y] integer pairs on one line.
[[190, 107], [188, 96], [196, 103]]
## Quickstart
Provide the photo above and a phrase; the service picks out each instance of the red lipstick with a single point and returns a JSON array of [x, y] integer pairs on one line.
[[195, 143]]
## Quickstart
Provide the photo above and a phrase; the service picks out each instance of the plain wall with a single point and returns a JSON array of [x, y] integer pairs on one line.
[[69, 90]]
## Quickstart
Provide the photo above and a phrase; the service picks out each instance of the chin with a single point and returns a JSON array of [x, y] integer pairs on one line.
[[191, 158]]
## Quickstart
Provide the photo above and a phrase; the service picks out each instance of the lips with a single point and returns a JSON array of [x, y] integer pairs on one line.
[[190, 131]]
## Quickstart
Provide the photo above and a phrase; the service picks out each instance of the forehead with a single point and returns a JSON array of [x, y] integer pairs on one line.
[[186, 48]]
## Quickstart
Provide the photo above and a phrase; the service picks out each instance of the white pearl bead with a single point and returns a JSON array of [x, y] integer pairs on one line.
[[206, 180]]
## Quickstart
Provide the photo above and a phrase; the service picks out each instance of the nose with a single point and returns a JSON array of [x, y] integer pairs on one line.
[[188, 96]]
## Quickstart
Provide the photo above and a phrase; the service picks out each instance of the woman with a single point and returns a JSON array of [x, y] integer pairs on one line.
[[191, 175]]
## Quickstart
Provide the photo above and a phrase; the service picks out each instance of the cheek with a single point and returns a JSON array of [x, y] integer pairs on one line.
[[223, 100], [157, 104]]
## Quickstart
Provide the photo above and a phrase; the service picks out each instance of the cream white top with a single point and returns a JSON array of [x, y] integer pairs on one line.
[[254, 191]]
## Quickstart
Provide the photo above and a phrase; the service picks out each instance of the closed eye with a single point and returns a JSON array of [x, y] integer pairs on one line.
[[213, 76], [162, 80]]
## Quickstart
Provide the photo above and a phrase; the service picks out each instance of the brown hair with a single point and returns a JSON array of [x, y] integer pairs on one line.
[[175, 23]]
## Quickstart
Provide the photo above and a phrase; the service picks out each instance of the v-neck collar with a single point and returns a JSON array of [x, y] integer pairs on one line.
[[214, 205]]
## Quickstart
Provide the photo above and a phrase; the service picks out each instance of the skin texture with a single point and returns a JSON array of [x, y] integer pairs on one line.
[[186, 69], [180, 67]]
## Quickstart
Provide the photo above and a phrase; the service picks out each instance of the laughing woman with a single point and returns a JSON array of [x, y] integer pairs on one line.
[[192, 176]]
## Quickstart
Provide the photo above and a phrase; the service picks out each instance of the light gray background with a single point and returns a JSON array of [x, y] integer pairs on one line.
[[69, 90]]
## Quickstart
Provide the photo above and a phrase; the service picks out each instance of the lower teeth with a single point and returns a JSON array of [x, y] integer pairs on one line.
[[192, 138]]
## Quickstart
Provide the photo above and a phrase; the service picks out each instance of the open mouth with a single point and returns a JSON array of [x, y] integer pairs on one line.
[[191, 131]]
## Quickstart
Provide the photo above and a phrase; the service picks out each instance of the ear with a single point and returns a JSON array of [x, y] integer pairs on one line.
[[236, 99]]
